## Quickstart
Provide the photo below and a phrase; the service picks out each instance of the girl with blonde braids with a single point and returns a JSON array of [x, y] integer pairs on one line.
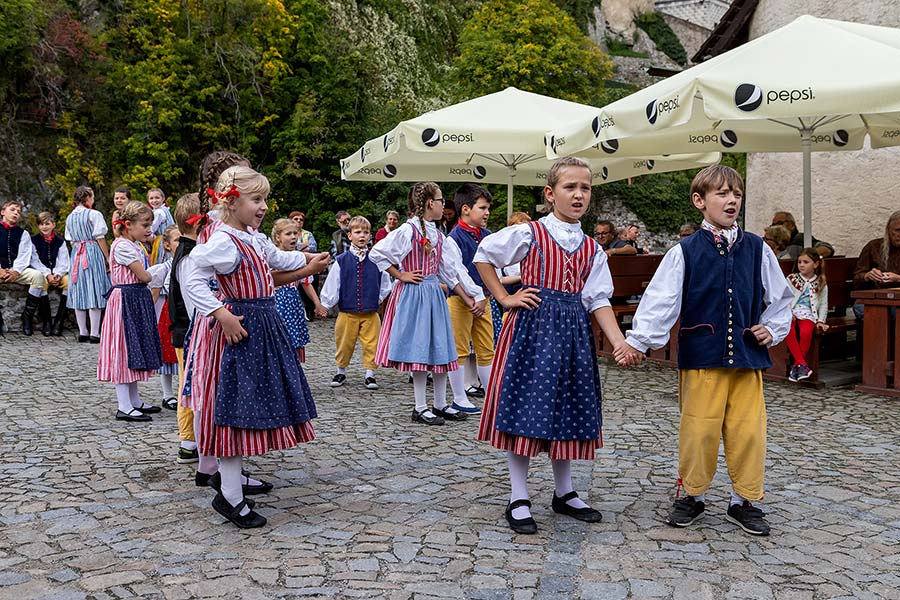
[[416, 335]]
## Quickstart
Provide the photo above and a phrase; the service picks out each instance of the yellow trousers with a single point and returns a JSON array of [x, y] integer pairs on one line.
[[467, 328], [350, 327], [184, 414], [724, 404], [63, 283]]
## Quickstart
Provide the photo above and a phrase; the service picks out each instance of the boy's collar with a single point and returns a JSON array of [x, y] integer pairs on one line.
[[466, 227]]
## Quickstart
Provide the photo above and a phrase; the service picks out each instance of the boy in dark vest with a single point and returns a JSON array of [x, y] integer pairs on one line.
[[15, 262], [727, 289], [356, 287], [473, 205], [51, 258], [189, 222]]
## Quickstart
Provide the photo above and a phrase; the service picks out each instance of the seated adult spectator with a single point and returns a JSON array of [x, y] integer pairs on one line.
[[630, 235], [879, 262], [307, 241], [605, 235], [391, 222], [687, 230], [340, 242], [786, 220], [15, 262], [777, 237]]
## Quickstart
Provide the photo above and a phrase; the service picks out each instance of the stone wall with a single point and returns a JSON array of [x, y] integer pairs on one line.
[[619, 15], [852, 192], [12, 301], [690, 35]]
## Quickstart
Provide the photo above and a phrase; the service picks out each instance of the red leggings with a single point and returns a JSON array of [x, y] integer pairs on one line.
[[804, 328]]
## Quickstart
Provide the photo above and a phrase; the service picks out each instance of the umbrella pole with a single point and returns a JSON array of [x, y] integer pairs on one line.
[[509, 192], [806, 143]]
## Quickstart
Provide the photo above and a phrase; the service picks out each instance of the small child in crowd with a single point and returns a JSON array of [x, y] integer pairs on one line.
[[130, 350], [416, 335], [169, 368], [162, 220], [51, 258], [88, 282], [727, 288], [121, 197], [15, 262], [809, 309], [285, 234], [357, 288]]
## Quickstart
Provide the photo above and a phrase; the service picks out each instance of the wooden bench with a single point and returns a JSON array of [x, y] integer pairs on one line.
[[831, 344], [631, 275]]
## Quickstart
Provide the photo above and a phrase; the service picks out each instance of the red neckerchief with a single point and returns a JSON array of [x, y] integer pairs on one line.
[[476, 231], [6, 225], [48, 239]]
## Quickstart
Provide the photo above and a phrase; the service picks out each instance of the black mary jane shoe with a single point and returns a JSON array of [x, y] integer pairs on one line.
[[450, 416], [83, 339], [233, 513], [422, 417], [129, 416], [264, 487], [148, 410], [527, 525], [94, 340], [170, 403], [587, 514]]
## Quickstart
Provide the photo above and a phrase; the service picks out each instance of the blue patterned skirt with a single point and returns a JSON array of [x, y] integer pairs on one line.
[[261, 384], [290, 308], [551, 381], [421, 332], [141, 336]]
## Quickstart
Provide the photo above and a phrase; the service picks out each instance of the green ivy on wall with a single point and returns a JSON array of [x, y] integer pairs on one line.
[[662, 35]]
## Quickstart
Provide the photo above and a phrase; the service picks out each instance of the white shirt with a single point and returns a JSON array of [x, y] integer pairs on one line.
[[127, 252], [62, 261], [219, 255], [159, 276], [162, 218], [331, 290], [510, 246], [661, 302], [398, 243], [96, 219]]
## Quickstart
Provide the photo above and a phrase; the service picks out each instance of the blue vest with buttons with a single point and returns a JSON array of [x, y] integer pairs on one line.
[[9, 245], [360, 284], [722, 299], [467, 247]]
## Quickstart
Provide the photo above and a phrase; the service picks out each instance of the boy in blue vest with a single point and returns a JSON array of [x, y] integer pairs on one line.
[[473, 205], [356, 287], [727, 289], [15, 262], [50, 257]]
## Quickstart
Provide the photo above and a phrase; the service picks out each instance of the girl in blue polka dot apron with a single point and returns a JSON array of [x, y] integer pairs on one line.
[[544, 392]]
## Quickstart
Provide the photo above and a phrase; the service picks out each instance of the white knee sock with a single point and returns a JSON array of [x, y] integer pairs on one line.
[[370, 373], [420, 378], [36, 292], [440, 393], [95, 321], [123, 397], [470, 369], [208, 464], [341, 371], [484, 374], [81, 318], [736, 498], [458, 387], [135, 397], [44, 293], [518, 481], [189, 444], [230, 468], [166, 381], [562, 476]]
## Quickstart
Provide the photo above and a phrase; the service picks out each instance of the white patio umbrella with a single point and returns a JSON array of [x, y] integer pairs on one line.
[[812, 85], [497, 138]]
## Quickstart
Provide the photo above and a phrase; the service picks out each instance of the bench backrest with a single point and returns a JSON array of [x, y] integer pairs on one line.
[[631, 274], [839, 274]]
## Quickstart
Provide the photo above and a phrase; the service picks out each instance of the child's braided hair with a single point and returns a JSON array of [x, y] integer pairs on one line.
[[419, 195], [212, 166]]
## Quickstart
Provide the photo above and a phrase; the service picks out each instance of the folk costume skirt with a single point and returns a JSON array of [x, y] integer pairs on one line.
[[130, 349], [544, 392]]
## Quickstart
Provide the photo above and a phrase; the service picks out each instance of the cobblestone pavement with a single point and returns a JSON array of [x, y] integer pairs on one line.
[[378, 507]]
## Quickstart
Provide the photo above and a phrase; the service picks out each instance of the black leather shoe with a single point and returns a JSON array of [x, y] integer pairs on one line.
[[233, 513], [201, 479], [94, 340], [130, 416], [422, 417], [264, 487], [83, 339], [148, 410], [526, 526], [450, 416], [586, 514], [170, 403]]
